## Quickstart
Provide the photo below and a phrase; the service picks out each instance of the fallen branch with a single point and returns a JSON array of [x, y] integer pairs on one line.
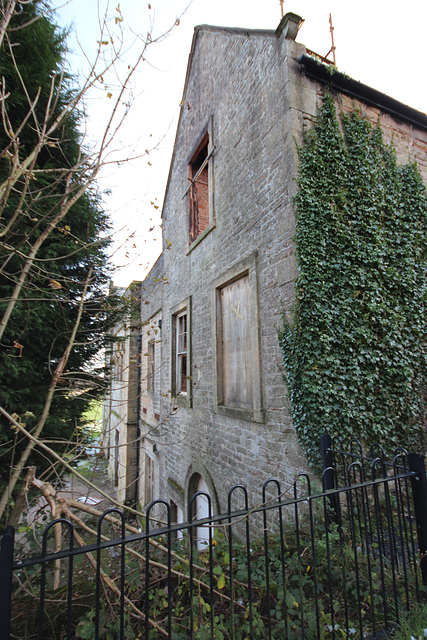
[[64, 509], [54, 455]]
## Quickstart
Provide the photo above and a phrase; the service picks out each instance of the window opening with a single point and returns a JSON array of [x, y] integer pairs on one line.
[[151, 365], [181, 353], [198, 192], [201, 510], [148, 483], [119, 363], [176, 518]]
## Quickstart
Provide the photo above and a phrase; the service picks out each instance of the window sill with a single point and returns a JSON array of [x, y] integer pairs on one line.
[[201, 237], [250, 415], [182, 400]]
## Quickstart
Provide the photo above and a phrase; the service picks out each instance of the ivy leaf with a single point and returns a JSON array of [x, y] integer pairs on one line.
[[221, 582]]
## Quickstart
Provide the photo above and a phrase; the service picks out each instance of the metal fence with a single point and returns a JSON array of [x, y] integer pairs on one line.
[[342, 560]]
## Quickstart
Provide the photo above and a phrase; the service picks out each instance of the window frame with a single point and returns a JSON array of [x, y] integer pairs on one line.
[[181, 397], [119, 360], [205, 136], [181, 352], [242, 268], [198, 171], [150, 400], [116, 458], [151, 365], [148, 479]]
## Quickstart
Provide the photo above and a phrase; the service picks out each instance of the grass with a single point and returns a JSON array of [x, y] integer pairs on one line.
[[413, 626], [93, 415]]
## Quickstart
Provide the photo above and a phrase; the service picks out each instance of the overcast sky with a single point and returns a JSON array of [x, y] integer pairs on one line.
[[379, 42]]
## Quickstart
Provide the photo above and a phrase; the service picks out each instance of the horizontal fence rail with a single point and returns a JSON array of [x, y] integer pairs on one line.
[[342, 560]]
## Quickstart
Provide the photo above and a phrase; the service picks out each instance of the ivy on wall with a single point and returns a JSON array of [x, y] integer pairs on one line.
[[354, 349]]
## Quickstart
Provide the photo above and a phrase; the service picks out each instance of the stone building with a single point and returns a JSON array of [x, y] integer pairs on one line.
[[214, 410], [120, 423]]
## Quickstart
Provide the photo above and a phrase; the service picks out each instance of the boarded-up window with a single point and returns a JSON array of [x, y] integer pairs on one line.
[[151, 365], [235, 375], [198, 194]]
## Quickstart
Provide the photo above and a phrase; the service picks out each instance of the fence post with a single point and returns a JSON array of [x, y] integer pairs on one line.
[[329, 478], [6, 562], [327, 462], [419, 492]]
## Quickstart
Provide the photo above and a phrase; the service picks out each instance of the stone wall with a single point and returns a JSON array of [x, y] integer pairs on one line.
[[120, 405], [150, 390], [249, 93], [237, 90]]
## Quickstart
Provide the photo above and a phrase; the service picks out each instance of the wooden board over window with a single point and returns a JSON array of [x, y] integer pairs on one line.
[[236, 375]]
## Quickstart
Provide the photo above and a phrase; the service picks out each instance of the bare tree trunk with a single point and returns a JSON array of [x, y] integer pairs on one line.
[[20, 500], [7, 14]]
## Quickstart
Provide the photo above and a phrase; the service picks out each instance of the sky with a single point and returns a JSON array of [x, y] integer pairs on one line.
[[376, 42]]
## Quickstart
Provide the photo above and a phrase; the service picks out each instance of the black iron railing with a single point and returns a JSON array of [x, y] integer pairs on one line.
[[340, 560]]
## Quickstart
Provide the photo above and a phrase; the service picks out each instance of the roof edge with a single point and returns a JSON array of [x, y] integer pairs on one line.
[[237, 30], [330, 76]]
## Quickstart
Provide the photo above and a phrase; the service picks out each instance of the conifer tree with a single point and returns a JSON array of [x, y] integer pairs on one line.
[[43, 168]]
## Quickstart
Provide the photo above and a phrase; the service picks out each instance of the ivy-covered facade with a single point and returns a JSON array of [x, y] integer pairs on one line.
[[354, 347]]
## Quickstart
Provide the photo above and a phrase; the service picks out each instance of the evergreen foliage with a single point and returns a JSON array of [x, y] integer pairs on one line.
[[354, 349], [43, 318]]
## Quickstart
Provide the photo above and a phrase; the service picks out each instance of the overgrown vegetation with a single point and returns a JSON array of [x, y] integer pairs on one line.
[[54, 239], [354, 350], [299, 577], [412, 626]]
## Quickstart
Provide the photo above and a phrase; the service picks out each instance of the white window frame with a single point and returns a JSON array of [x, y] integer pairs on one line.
[[182, 397], [181, 352]]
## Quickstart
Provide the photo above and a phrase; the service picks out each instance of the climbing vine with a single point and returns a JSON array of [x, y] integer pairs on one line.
[[354, 348]]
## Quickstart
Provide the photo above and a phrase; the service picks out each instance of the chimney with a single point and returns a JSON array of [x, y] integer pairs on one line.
[[289, 25]]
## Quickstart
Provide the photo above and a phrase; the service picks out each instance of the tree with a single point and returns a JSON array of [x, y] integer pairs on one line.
[[354, 352], [53, 231]]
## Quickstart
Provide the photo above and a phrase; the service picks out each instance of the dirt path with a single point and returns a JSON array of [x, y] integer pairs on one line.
[[94, 469]]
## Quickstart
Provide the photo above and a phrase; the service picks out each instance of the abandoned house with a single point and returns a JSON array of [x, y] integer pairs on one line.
[[120, 404], [213, 407]]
